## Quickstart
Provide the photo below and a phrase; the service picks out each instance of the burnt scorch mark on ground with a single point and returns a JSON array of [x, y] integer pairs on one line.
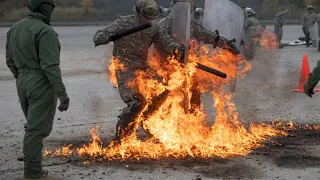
[[298, 150], [232, 171]]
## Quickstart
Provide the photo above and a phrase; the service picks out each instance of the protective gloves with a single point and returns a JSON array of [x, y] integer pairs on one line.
[[100, 38], [64, 102], [63, 96], [308, 88], [179, 53]]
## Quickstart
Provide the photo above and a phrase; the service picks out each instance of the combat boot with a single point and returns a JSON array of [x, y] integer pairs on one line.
[[308, 41], [44, 175], [319, 46]]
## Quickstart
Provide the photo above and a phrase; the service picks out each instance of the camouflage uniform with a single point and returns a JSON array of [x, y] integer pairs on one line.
[[278, 24], [199, 33], [251, 28], [307, 20], [198, 15], [132, 51], [164, 13]]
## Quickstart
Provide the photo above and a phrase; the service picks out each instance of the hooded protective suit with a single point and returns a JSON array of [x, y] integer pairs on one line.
[[32, 54], [312, 81]]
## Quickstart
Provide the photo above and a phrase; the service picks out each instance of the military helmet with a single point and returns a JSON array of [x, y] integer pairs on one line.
[[147, 8], [251, 12], [35, 4], [309, 7], [199, 11]]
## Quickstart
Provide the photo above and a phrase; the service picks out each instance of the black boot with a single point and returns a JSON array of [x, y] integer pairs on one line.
[[307, 40], [319, 46]]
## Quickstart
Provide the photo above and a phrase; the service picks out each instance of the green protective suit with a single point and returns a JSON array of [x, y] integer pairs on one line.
[[313, 80], [33, 56]]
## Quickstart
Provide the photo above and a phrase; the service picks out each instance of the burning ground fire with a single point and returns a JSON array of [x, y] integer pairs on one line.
[[176, 134]]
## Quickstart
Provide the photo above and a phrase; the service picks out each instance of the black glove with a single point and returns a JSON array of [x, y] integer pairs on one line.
[[100, 38], [221, 43], [15, 72], [179, 53], [308, 89], [64, 102]]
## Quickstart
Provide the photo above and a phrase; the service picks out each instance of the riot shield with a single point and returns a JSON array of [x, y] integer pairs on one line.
[[180, 13], [226, 17]]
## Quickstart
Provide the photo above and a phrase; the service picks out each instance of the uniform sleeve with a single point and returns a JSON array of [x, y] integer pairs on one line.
[[202, 34], [112, 28], [315, 76], [280, 14], [49, 57], [247, 24], [314, 18], [9, 60], [164, 40], [303, 21]]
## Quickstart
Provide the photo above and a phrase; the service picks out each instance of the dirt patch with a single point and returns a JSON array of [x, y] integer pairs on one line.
[[300, 149]]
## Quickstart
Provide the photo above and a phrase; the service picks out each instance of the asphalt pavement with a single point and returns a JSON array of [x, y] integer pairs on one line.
[[264, 95]]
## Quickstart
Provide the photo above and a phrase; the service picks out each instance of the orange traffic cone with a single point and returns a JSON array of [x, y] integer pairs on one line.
[[304, 75]]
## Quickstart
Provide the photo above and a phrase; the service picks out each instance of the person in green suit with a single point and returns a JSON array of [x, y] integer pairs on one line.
[[312, 81], [33, 56]]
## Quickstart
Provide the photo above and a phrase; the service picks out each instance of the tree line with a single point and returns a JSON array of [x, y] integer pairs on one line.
[[95, 10]]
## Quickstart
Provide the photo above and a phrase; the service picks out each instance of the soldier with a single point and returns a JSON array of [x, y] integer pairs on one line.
[[312, 80], [33, 56], [132, 51], [198, 15], [251, 30], [164, 12], [197, 32], [318, 22], [278, 24], [307, 20]]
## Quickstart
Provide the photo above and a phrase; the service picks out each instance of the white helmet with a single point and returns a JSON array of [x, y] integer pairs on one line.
[[251, 12]]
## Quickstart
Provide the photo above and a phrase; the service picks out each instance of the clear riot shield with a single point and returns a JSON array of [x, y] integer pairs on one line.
[[181, 21], [226, 17], [180, 13]]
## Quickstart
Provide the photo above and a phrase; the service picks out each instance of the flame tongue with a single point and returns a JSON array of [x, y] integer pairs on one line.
[[175, 133]]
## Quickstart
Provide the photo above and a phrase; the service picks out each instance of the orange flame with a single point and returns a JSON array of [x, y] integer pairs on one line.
[[179, 134], [114, 66]]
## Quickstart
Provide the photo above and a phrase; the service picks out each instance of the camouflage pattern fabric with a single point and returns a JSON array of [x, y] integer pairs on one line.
[[147, 8], [251, 28], [132, 50], [251, 31], [307, 20], [278, 24]]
